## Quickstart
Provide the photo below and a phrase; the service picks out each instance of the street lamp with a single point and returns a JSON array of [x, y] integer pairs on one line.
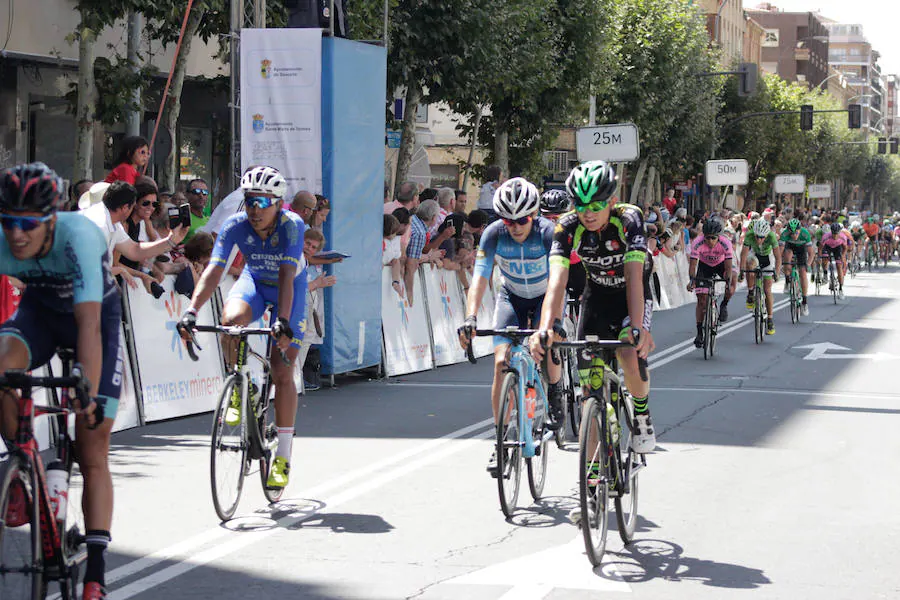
[[832, 76]]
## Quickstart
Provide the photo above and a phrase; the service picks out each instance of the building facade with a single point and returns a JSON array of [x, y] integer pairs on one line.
[[753, 40], [795, 45], [852, 54], [39, 68], [725, 23]]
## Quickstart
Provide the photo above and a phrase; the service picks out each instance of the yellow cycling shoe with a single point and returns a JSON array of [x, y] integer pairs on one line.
[[770, 327], [279, 473], [233, 412]]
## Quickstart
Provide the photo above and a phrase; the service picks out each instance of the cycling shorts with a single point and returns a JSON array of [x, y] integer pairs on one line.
[[259, 296], [766, 264], [834, 253], [514, 311], [576, 282], [605, 314], [704, 271], [800, 255], [43, 331]]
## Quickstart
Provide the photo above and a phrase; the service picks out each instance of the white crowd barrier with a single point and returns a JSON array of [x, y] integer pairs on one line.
[[446, 311], [405, 327]]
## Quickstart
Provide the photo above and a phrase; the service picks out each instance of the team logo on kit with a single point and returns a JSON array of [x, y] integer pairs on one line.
[[250, 240], [273, 241], [264, 65], [258, 123], [612, 245]]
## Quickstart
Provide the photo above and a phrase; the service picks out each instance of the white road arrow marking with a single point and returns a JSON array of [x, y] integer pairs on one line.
[[820, 351], [534, 576]]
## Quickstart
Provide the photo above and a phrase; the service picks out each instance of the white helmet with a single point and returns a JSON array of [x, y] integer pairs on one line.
[[516, 198], [761, 228], [264, 180]]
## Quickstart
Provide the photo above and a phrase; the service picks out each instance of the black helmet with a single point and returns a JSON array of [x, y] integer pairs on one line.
[[555, 202], [836, 228], [712, 226], [32, 187]]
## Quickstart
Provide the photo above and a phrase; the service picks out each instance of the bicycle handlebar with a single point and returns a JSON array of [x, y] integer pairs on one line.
[[19, 379], [233, 330]]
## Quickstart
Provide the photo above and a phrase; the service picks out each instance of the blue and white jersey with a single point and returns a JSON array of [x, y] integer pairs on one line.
[[525, 267], [75, 270], [262, 259]]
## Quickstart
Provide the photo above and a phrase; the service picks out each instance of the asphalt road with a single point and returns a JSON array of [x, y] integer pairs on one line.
[[775, 475]]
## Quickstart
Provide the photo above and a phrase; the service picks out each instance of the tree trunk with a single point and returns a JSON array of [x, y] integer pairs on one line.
[[87, 105], [173, 103], [408, 135], [501, 145], [478, 113], [638, 183]]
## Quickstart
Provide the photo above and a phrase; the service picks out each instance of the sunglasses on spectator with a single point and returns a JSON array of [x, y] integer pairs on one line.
[[593, 206], [519, 221], [23, 223], [146, 203], [259, 201], [200, 192]]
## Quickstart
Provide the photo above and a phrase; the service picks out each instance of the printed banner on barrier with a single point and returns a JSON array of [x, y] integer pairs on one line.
[[406, 342], [172, 384], [485, 345], [446, 307], [281, 104], [128, 415]]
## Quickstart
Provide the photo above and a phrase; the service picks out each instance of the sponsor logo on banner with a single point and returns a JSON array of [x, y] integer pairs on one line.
[[259, 123], [173, 307], [404, 317], [445, 299], [264, 67]]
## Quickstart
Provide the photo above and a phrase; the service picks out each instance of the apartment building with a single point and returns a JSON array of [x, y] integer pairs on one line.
[[754, 35], [39, 67], [725, 21], [795, 44], [851, 53]]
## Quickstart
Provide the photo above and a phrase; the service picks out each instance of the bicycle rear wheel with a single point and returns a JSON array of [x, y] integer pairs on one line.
[[537, 464], [627, 501], [509, 449], [593, 479], [269, 443], [713, 328], [21, 555], [795, 308], [228, 454], [758, 320]]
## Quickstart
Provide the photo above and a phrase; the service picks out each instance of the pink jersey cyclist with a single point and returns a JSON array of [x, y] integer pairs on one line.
[[832, 241], [712, 256]]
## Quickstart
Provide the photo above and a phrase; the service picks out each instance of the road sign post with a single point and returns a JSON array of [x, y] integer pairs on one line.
[[611, 143]]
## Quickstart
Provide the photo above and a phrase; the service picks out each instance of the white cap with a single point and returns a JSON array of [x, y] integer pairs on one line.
[[93, 195]]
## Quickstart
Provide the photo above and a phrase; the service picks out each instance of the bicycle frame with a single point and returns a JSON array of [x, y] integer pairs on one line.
[[519, 360]]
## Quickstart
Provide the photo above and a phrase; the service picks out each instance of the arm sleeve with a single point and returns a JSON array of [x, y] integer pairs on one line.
[[487, 248], [90, 259], [293, 249], [224, 243]]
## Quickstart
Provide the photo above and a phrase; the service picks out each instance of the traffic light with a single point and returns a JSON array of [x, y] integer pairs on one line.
[[806, 117], [894, 145], [854, 116], [882, 145], [749, 73]]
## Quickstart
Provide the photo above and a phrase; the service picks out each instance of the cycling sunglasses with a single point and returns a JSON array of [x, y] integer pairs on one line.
[[593, 206], [200, 192], [259, 201], [519, 221], [711, 238], [23, 223]]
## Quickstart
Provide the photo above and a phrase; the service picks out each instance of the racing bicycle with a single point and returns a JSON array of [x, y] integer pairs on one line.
[[711, 318], [796, 292], [521, 428], [759, 306], [608, 466], [40, 539], [233, 448]]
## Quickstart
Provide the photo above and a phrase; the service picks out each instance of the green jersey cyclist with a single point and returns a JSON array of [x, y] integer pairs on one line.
[[609, 238], [761, 249], [796, 243], [271, 241], [70, 301]]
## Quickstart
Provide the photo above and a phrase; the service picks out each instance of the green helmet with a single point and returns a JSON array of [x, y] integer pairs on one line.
[[794, 225], [590, 182]]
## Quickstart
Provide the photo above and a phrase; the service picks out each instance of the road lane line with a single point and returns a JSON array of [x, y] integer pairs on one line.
[[718, 390], [206, 537], [286, 522]]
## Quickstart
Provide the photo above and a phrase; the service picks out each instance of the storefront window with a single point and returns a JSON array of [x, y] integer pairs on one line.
[[196, 153]]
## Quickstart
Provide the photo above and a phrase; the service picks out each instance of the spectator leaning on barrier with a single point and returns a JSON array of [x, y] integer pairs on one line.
[[391, 252], [446, 199], [197, 197], [140, 229], [313, 242], [418, 239], [304, 204], [407, 197], [108, 215], [134, 153], [197, 253]]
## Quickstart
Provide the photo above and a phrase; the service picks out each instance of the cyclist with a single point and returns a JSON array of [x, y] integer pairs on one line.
[[859, 241], [711, 255], [609, 237], [834, 246], [871, 230], [887, 240], [796, 244], [555, 203], [519, 243], [761, 249], [70, 301], [271, 241]]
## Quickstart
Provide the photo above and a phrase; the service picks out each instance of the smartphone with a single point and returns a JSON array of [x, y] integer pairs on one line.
[[179, 215]]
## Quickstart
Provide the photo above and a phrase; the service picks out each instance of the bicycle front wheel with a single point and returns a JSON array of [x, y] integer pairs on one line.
[[593, 479], [576, 396], [228, 453], [758, 321], [21, 556], [509, 449], [626, 501], [537, 464]]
